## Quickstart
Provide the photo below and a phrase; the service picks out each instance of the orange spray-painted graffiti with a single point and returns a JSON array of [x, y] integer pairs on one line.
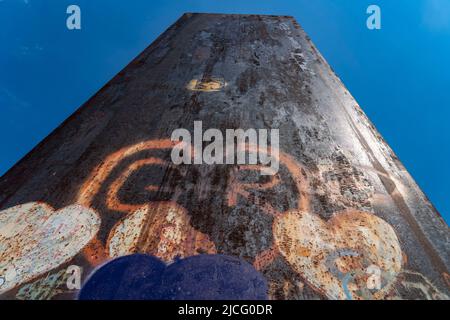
[[161, 228], [330, 255], [303, 238]]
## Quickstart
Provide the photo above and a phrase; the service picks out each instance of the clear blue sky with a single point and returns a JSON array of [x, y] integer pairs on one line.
[[400, 74]]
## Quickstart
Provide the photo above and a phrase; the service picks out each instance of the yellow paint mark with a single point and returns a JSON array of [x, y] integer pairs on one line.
[[210, 85]]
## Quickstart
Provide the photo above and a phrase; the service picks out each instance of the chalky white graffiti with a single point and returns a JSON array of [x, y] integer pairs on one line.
[[34, 239]]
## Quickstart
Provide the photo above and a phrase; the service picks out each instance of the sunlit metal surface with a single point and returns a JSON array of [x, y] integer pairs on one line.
[[342, 218]]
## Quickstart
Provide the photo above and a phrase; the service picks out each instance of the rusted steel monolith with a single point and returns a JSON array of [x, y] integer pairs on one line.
[[341, 219]]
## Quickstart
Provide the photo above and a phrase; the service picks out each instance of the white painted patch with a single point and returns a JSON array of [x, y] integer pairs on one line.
[[125, 235], [34, 239]]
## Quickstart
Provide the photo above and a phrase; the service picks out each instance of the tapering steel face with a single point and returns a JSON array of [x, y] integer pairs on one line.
[[341, 218]]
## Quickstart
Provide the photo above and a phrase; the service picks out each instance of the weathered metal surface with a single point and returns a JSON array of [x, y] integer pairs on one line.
[[341, 209]]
